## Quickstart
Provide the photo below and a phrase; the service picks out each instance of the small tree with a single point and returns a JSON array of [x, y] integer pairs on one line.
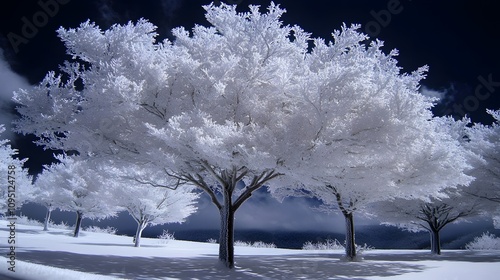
[[487, 241], [16, 183], [150, 196], [80, 189], [45, 194]]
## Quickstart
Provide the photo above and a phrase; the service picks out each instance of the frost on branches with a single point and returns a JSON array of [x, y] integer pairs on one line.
[[149, 196], [80, 189]]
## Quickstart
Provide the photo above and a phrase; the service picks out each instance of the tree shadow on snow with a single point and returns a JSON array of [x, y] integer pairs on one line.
[[28, 231], [123, 245], [208, 267]]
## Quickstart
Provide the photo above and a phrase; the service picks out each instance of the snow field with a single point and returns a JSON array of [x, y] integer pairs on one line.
[[57, 255]]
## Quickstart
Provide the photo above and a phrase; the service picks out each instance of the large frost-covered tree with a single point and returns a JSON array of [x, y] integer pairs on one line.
[[16, 183], [368, 135], [209, 107], [80, 189], [150, 197], [240, 78]]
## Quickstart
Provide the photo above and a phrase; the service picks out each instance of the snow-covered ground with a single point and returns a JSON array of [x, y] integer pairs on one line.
[[57, 255]]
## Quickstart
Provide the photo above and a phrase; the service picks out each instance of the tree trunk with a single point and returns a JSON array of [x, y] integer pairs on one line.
[[47, 219], [138, 233], [350, 244], [226, 239], [79, 217], [435, 242]]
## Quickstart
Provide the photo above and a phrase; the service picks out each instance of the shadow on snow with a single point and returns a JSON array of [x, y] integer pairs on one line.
[[312, 266]]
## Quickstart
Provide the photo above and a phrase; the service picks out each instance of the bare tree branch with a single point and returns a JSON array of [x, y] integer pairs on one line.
[[257, 182]]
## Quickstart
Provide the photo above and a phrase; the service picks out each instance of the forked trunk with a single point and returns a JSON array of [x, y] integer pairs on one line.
[[79, 217], [350, 244], [435, 242], [226, 239], [47, 220]]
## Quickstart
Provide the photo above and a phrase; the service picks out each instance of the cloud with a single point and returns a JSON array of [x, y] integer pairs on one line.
[[107, 13], [443, 95], [9, 82]]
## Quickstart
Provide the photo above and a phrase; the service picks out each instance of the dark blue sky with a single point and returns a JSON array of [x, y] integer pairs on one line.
[[457, 39]]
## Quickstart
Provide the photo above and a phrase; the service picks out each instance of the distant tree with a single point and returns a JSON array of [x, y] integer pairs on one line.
[[149, 196], [366, 134], [455, 204], [16, 183], [46, 187], [80, 189], [431, 215]]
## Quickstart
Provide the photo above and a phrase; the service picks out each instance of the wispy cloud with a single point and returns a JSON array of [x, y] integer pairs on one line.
[[443, 94], [107, 13], [9, 82]]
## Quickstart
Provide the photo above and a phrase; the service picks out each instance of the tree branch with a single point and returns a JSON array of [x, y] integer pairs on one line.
[[492, 199], [199, 182], [212, 171], [257, 182], [155, 184]]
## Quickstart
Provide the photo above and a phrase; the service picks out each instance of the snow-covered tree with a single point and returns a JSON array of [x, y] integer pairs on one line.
[[46, 189], [149, 196], [80, 189], [368, 135], [455, 204], [242, 73], [209, 107], [428, 215], [485, 142], [16, 183]]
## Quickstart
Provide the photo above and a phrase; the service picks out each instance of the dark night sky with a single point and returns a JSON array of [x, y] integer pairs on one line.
[[457, 39]]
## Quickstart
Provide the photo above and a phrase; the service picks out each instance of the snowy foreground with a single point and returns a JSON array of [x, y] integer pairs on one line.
[[57, 255]]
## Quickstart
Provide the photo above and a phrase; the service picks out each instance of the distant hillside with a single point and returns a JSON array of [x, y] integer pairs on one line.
[[380, 237]]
